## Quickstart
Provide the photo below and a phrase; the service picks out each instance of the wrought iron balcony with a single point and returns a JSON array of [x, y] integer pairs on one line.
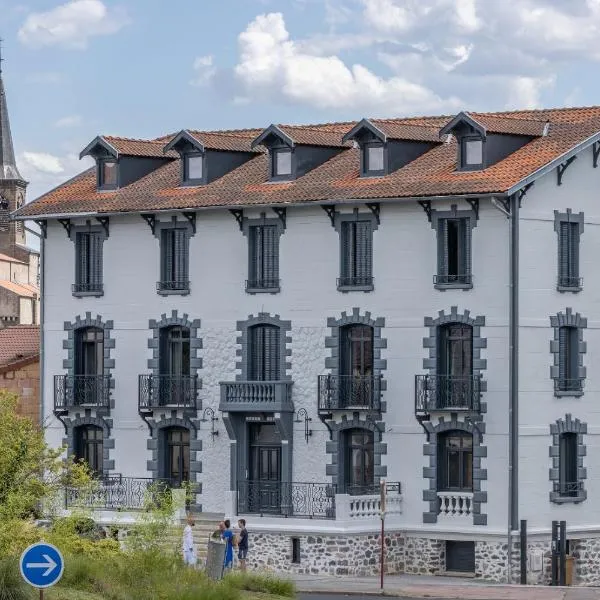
[[297, 500], [363, 282], [81, 390], [566, 387], [349, 392], [263, 285], [458, 280], [88, 288], [180, 286], [260, 396], [568, 489], [116, 493], [168, 391], [569, 283], [447, 392]]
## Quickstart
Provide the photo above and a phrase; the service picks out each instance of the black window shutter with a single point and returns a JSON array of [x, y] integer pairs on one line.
[[82, 241], [254, 255], [166, 248], [347, 249], [180, 257], [568, 254], [574, 253], [442, 247], [95, 264], [465, 250], [270, 256], [363, 253], [564, 358], [271, 353]]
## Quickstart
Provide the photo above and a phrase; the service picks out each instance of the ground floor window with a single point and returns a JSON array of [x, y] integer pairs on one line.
[[359, 459], [176, 445], [455, 461], [89, 447]]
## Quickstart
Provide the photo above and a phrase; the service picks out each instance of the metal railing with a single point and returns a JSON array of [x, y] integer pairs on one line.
[[256, 395], [116, 493], [458, 279], [81, 390], [180, 285], [568, 489], [299, 500], [262, 284], [345, 392], [392, 487], [87, 288], [447, 392], [179, 391], [360, 281], [565, 281], [569, 385]]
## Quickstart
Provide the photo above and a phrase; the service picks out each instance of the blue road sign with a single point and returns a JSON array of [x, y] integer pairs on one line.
[[42, 565]]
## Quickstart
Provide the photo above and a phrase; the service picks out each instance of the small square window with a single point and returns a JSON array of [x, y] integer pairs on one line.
[[374, 159], [194, 167], [473, 150], [283, 163], [108, 173]]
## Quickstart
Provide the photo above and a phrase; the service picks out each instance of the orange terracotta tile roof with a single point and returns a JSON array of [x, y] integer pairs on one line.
[[132, 147], [11, 259], [19, 342], [21, 289], [431, 174]]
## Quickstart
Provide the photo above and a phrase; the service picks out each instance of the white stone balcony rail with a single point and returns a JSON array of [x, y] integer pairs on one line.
[[353, 508], [248, 396], [455, 505]]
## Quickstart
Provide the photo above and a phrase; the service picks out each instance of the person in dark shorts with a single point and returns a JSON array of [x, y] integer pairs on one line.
[[243, 544]]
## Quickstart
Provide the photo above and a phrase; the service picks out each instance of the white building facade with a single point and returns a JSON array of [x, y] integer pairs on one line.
[[287, 354]]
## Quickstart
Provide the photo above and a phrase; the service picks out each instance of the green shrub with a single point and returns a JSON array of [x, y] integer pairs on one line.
[[257, 582], [12, 587]]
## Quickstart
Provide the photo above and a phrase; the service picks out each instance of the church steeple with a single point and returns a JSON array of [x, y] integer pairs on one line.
[[8, 165]]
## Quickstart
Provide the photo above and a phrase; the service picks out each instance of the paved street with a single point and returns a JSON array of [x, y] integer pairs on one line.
[[339, 596]]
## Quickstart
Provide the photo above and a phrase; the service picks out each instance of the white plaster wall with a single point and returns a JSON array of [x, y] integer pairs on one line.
[[539, 299], [404, 250], [26, 311]]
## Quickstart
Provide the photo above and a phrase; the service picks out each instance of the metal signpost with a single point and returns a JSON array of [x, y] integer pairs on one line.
[[382, 492], [42, 566]]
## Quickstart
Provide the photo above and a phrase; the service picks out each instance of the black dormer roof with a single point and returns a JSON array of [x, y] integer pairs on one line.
[[364, 126], [184, 140], [463, 121], [273, 135]]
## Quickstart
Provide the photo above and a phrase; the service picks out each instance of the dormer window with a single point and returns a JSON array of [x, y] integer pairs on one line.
[[282, 163], [107, 174], [373, 159], [472, 153], [193, 168]]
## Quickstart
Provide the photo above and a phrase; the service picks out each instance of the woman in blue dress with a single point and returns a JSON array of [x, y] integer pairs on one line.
[[227, 536]]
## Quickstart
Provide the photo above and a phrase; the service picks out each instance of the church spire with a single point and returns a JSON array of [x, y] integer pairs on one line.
[[8, 165]]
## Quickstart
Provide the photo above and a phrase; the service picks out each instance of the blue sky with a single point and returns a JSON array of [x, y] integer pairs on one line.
[[143, 68]]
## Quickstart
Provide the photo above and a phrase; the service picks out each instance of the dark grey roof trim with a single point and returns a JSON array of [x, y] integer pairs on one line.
[[275, 131], [364, 124], [184, 136], [463, 117], [99, 141]]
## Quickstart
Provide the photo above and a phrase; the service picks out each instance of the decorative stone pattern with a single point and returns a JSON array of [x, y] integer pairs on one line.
[[567, 319], [424, 556], [285, 341], [353, 555], [479, 451], [586, 553], [490, 561], [567, 425]]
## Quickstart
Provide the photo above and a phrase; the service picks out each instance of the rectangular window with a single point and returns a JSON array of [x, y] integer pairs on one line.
[[568, 361], [263, 259], [108, 174], [296, 550], [194, 168], [374, 159], [282, 163], [568, 480], [263, 353], [88, 263], [472, 152], [174, 261], [454, 253], [568, 256], [357, 256]]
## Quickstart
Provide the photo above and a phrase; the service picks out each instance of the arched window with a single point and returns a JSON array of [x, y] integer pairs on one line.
[[176, 448], [264, 353], [89, 447], [359, 461], [455, 461]]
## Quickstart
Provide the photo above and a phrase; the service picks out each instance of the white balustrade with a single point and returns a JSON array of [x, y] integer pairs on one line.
[[366, 507], [455, 505]]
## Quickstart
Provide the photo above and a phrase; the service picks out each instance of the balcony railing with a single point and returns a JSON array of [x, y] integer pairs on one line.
[[456, 279], [569, 386], [575, 283], [116, 493], [348, 392], [363, 281], [455, 505], [298, 500], [262, 285], [447, 392], [172, 391], [87, 288], [180, 285], [256, 396], [81, 390], [568, 489]]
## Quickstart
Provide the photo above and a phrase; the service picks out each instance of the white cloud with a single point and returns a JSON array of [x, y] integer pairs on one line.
[[204, 70], [525, 92], [71, 25], [69, 121], [270, 61], [466, 15], [43, 162]]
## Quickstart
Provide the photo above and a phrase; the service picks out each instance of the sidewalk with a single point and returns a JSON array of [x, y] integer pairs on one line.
[[447, 588]]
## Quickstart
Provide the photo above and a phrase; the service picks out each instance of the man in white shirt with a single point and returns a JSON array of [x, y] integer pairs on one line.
[[189, 553]]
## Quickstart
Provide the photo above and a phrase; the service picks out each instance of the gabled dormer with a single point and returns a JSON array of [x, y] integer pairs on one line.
[[193, 157], [483, 140], [296, 150], [386, 146], [121, 161]]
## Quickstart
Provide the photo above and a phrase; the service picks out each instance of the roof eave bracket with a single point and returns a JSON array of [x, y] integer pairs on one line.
[[66, 223], [191, 218], [521, 193], [474, 202], [280, 211], [375, 208], [596, 153], [151, 220], [560, 171], [104, 222], [43, 225], [426, 205], [238, 214], [330, 210]]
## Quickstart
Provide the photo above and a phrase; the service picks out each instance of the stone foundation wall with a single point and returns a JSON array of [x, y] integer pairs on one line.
[[356, 555], [424, 556]]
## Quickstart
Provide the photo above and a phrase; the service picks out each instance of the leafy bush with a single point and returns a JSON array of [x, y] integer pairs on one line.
[[257, 582], [12, 586]]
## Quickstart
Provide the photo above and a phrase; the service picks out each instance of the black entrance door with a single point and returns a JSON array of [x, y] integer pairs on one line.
[[460, 556], [265, 489]]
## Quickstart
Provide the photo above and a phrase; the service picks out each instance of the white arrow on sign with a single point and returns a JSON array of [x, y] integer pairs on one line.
[[50, 565]]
